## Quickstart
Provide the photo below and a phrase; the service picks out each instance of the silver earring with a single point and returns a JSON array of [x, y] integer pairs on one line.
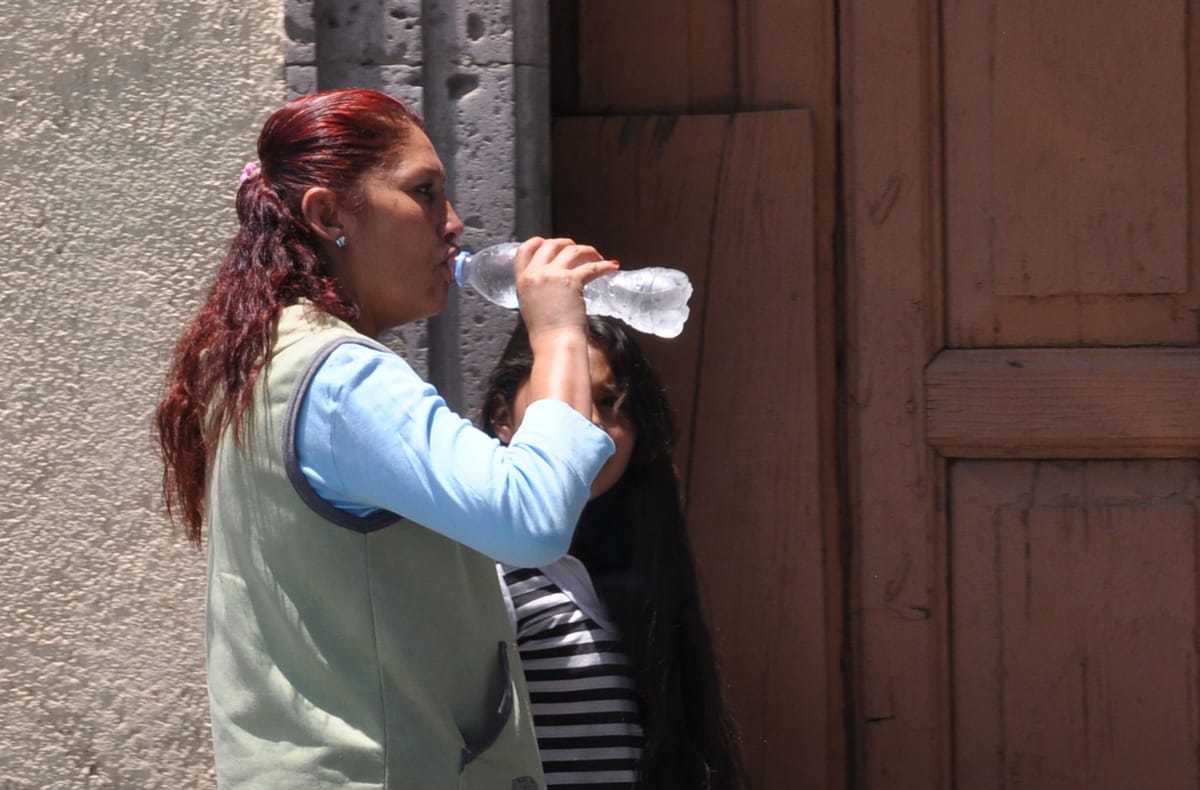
[[340, 242]]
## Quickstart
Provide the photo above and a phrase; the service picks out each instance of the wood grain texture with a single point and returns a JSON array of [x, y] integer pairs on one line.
[[1065, 403], [755, 495], [664, 56], [1075, 608], [1088, 151], [898, 600], [1068, 175]]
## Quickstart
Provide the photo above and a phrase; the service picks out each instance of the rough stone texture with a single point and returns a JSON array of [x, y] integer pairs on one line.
[[503, 157], [485, 195], [379, 32], [125, 124], [478, 92]]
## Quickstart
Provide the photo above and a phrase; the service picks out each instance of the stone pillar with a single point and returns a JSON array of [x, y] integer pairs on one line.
[[479, 74]]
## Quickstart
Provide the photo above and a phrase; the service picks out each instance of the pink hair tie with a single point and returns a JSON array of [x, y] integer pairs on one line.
[[249, 171]]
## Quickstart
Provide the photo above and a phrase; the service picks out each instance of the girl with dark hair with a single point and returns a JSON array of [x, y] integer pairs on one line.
[[624, 684], [356, 635]]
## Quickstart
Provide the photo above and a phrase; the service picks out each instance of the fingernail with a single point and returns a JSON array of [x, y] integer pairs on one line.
[[614, 260]]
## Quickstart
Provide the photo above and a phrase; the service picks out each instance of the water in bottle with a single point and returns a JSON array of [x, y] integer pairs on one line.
[[653, 300]]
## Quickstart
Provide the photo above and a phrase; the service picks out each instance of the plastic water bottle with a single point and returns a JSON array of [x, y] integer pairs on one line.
[[653, 300]]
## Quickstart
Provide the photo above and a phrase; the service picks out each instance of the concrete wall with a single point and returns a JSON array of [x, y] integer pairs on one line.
[[125, 124]]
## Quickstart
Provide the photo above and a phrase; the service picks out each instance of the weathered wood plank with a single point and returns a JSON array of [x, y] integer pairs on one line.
[[787, 57], [1089, 165], [1075, 590], [1064, 403], [785, 54], [1068, 176], [899, 605], [659, 57], [755, 500]]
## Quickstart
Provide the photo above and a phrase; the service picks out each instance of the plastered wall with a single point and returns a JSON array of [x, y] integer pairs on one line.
[[125, 124]]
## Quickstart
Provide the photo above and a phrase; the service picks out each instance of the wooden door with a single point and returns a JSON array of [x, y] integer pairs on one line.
[[1022, 378]]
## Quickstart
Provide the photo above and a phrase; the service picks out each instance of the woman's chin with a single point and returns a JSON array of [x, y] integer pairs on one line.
[[599, 488]]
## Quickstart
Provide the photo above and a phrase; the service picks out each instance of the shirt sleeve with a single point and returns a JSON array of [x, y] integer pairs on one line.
[[371, 434]]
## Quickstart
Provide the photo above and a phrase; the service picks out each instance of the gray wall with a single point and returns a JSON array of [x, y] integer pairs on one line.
[[125, 125]]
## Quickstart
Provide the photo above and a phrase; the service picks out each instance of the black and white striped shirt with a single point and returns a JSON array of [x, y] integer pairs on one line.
[[585, 709]]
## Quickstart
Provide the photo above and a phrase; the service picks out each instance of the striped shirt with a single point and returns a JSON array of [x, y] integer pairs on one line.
[[581, 687]]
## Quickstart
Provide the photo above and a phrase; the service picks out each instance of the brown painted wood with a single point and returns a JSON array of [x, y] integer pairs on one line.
[[712, 56], [1018, 100], [1065, 403], [755, 492], [786, 57], [665, 56], [899, 601], [730, 200], [1075, 609], [785, 54], [1046, 185], [1067, 173]]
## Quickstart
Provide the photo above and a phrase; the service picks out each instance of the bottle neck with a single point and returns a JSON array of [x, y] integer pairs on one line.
[[461, 262]]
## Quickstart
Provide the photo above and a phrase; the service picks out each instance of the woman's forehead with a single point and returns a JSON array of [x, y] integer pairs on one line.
[[419, 160]]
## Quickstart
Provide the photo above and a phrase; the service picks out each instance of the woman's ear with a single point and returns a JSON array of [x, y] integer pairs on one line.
[[322, 212], [502, 421]]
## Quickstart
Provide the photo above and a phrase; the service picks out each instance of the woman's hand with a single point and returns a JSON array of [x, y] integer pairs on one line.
[[550, 275]]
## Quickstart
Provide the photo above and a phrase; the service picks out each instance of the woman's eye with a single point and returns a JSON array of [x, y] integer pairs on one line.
[[426, 191], [608, 402]]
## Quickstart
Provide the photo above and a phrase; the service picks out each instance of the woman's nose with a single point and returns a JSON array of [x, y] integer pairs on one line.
[[454, 224]]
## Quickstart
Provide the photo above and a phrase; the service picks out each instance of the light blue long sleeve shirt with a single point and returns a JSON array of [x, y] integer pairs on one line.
[[372, 434]]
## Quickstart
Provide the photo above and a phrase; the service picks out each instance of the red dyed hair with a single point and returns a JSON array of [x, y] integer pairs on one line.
[[331, 139]]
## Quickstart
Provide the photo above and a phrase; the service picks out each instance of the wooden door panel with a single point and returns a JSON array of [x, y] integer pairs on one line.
[[1067, 173], [730, 199], [1018, 217], [1074, 595]]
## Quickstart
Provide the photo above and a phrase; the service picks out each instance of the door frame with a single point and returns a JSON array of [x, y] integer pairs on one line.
[[898, 598]]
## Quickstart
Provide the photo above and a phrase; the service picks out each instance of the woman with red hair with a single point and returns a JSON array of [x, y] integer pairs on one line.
[[356, 635]]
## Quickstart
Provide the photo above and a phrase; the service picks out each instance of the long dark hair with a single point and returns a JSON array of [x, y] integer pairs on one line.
[[633, 541], [331, 139]]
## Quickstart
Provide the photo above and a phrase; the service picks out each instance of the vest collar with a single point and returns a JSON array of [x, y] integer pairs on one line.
[[301, 319]]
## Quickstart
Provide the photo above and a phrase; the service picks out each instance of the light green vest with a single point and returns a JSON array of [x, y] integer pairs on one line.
[[342, 651]]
